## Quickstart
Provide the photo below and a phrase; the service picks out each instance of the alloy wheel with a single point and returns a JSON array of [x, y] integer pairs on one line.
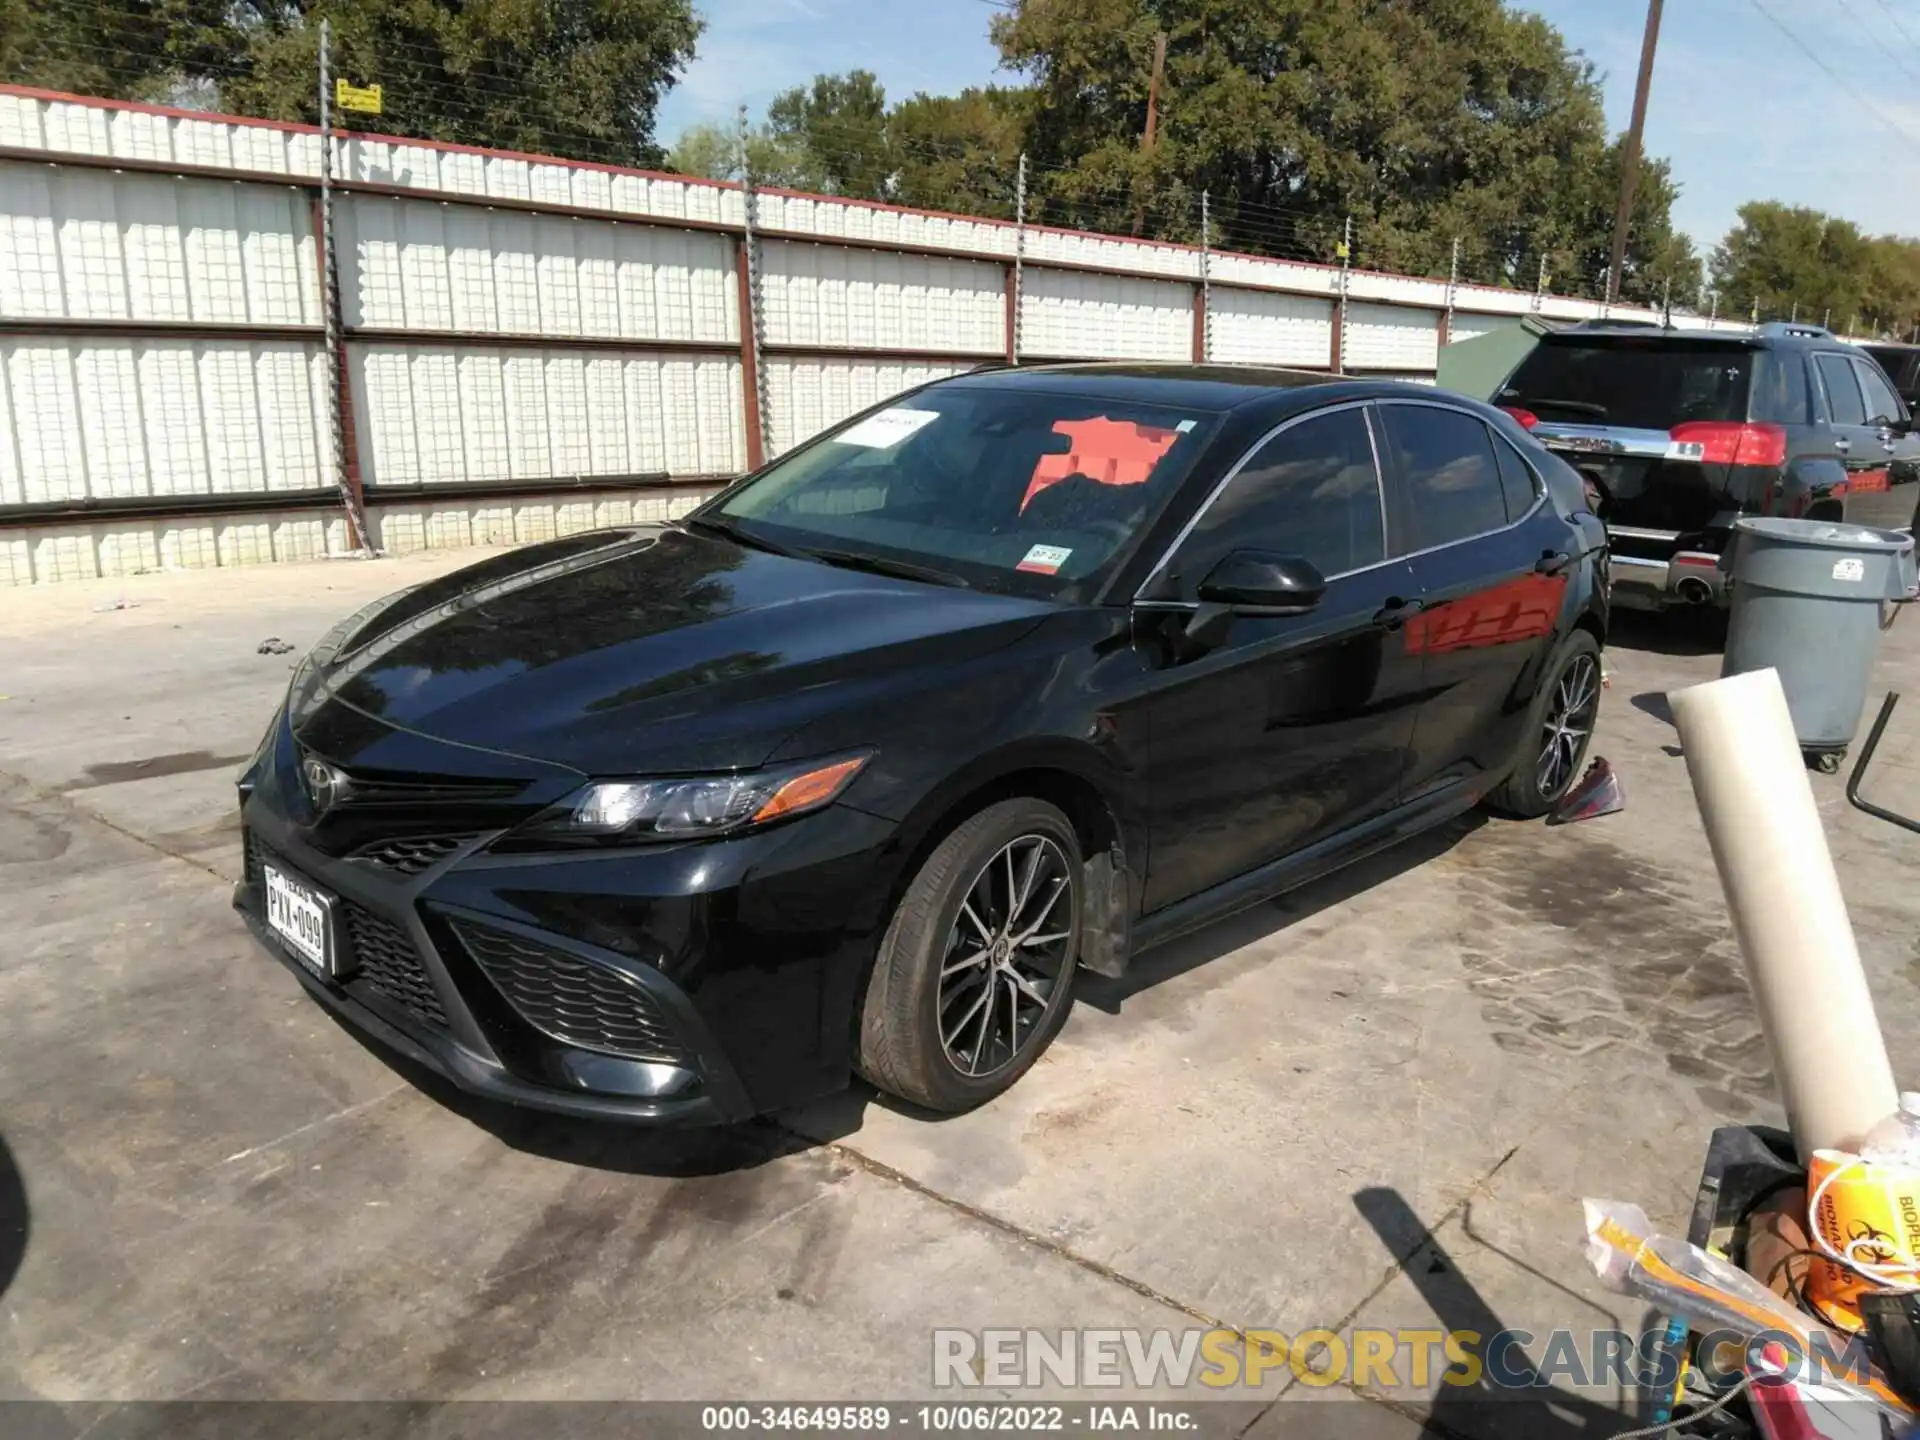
[[1006, 955], [1569, 722]]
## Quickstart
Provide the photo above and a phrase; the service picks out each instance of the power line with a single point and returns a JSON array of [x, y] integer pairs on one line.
[[1880, 40], [1831, 73], [1898, 24]]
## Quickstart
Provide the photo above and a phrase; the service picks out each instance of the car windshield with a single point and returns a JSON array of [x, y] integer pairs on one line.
[[989, 486], [1642, 384]]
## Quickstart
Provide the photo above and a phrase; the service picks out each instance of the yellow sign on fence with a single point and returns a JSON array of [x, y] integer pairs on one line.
[[357, 97]]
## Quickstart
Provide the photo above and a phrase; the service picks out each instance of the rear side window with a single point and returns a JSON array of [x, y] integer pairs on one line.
[[1642, 384], [1445, 460], [1516, 480], [1843, 391], [1780, 391], [1892, 359], [1883, 406], [1312, 491]]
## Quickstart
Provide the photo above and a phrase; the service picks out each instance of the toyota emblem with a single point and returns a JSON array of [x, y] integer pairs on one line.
[[323, 782]]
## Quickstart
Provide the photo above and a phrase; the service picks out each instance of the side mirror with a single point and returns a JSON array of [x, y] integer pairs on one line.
[[1259, 582]]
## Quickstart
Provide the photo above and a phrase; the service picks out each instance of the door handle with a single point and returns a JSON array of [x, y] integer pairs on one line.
[[1552, 563], [1842, 444], [1397, 612], [1887, 440]]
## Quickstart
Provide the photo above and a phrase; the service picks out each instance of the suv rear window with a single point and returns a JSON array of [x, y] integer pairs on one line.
[[1644, 384]]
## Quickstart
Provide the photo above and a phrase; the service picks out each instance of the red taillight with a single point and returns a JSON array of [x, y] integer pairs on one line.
[[1526, 418], [1727, 442]]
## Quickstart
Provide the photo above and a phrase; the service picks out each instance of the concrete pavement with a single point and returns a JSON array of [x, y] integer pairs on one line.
[[1375, 1102]]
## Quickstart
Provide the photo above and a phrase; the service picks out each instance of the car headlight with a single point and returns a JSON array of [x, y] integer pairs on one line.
[[690, 807]]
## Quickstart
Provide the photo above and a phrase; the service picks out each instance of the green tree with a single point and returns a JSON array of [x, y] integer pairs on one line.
[[959, 153], [1791, 259], [579, 78], [145, 50], [835, 130], [713, 150], [1421, 122]]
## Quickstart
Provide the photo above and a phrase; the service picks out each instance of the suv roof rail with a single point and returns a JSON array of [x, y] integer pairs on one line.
[[1612, 324], [1797, 329]]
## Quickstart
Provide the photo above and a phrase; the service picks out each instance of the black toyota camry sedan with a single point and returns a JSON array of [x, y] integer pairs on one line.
[[852, 769]]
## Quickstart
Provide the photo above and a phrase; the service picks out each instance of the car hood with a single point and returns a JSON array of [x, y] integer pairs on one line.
[[650, 650]]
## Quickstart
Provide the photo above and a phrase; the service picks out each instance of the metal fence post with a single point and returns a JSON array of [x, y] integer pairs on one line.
[[753, 324], [1019, 260], [1453, 282], [330, 308], [1713, 313], [1340, 327], [1540, 286], [1204, 337]]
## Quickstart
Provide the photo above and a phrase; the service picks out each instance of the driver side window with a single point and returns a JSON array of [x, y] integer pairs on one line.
[[1312, 490]]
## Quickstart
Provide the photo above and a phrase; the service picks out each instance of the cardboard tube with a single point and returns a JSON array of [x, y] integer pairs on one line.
[[1751, 783]]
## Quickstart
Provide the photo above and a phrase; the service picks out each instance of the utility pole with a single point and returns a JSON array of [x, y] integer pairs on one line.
[[1153, 118], [1630, 153], [357, 530]]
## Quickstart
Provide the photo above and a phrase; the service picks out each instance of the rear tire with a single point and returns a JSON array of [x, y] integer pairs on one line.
[[1553, 748], [975, 973]]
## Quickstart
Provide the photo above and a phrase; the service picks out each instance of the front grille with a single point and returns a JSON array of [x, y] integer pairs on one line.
[[574, 1001], [410, 855], [389, 965]]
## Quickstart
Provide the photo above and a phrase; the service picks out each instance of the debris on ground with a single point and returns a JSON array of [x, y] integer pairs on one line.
[[121, 604], [273, 645]]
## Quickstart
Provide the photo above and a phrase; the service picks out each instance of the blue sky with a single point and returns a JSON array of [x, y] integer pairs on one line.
[[1741, 111]]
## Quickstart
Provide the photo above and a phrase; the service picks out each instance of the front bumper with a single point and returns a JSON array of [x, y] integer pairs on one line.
[[679, 984], [412, 985]]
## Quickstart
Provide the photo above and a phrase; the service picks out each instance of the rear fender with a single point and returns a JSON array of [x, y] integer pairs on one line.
[[1806, 482]]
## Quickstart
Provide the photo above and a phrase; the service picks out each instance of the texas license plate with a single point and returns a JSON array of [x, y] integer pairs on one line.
[[302, 917]]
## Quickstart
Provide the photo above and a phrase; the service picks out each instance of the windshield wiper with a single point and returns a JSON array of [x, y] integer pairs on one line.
[[874, 564], [1579, 407], [732, 530]]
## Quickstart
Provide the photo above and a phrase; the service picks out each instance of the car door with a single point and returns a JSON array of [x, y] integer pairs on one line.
[[1861, 452], [1884, 496], [1289, 727], [1492, 562]]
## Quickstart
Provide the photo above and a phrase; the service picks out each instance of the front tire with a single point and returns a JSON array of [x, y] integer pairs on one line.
[[975, 974], [1559, 730]]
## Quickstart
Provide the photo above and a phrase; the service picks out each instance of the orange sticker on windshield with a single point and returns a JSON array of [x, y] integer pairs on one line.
[[1109, 452]]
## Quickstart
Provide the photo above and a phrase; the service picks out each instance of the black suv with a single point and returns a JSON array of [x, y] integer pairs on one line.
[[1678, 433], [854, 766]]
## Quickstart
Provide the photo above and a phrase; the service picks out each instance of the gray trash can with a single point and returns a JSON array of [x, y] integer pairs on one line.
[[1810, 598]]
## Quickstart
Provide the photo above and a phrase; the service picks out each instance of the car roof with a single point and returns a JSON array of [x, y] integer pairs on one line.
[[1774, 334], [1197, 387]]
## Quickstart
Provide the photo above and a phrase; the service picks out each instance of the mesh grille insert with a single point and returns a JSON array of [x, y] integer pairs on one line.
[[410, 855], [389, 965], [573, 1000]]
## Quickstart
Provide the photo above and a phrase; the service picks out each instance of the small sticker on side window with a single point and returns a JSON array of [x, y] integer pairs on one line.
[[887, 429], [1044, 560]]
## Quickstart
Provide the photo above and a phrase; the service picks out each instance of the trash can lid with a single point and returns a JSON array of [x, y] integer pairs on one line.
[[1825, 534]]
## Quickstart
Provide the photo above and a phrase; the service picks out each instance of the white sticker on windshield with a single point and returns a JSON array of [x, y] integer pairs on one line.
[[1852, 568], [1185, 426], [1044, 560], [888, 428]]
